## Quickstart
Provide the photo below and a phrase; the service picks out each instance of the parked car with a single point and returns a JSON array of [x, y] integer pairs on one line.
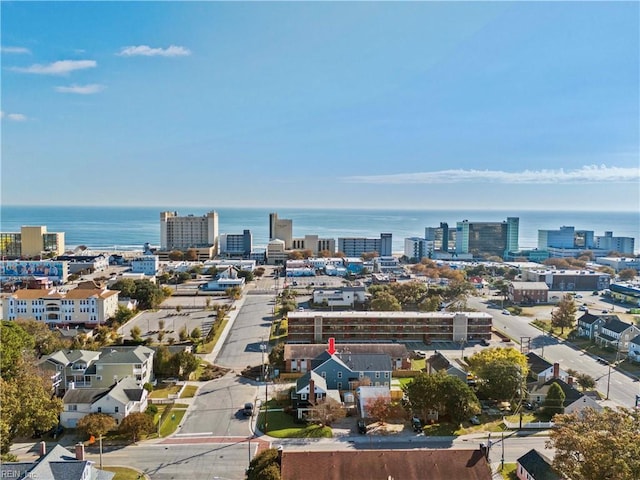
[[582, 308], [248, 409], [602, 361], [528, 405], [362, 426], [484, 342], [506, 312], [416, 424], [474, 420]]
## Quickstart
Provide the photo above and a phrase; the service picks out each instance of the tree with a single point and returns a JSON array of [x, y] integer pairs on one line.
[[627, 274], [247, 275], [564, 316], [184, 363], [500, 372], [379, 408], [15, 341], [191, 255], [385, 302], [148, 294], [176, 255], [265, 466], [593, 445], [327, 411], [161, 321], [554, 401], [586, 382], [160, 336], [196, 334], [45, 340], [97, 424], [136, 331], [183, 334], [276, 356], [26, 404], [137, 424], [234, 293]]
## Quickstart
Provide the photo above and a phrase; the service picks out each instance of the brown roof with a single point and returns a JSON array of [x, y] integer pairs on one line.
[[384, 464], [312, 350]]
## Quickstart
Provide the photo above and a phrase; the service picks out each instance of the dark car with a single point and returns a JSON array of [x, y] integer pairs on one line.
[[362, 426], [416, 424], [248, 409], [484, 342]]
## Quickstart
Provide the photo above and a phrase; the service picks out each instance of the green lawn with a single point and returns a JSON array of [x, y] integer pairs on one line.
[[418, 364], [189, 391], [164, 392], [123, 473], [509, 471], [279, 330], [171, 422], [281, 425], [208, 347], [404, 380]]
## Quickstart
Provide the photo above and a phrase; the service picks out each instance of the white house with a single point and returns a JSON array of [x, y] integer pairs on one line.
[[119, 400], [227, 278], [342, 297], [575, 401], [634, 349], [146, 264]]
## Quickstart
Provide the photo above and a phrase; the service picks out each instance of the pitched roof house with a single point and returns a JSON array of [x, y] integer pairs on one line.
[[398, 464], [588, 322], [574, 401], [438, 363], [119, 400], [535, 466], [540, 370], [58, 464], [634, 349], [615, 333]]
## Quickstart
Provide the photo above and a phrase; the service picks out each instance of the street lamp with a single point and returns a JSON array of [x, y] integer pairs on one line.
[[263, 348]]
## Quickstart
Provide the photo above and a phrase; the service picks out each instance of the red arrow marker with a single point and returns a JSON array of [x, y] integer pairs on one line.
[[332, 346]]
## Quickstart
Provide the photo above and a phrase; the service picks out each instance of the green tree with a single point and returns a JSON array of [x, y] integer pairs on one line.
[[15, 341], [233, 292], [554, 401], [265, 466], [586, 382], [500, 372], [247, 275], [148, 294], [385, 302], [627, 274], [185, 364], [122, 315], [196, 334], [276, 356], [564, 316], [45, 340], [593, 445], [136, 331], [430, 304], [26, 404], [183, 334], [97, 424], [137, 424]]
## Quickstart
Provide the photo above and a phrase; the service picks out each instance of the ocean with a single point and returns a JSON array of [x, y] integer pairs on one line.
[[128, 228]]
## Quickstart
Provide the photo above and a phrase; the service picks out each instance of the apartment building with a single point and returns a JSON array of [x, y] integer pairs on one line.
[[58, 307], [31, 242], [352, 326], [568, 280], [485, 239], [281, 229], [610, 243], [236, 245], [356, 246], [182, 233]]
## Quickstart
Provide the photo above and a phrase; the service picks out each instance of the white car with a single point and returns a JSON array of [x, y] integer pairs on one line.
[[506, 312]]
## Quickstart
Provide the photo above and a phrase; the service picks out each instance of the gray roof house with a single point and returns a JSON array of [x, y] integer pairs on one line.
[[615, 333], [119, 400], [304, 357], [634, 349], [66, 366], [540, 370], [58, 464], [574, 401], [588, 322], [535, 466]]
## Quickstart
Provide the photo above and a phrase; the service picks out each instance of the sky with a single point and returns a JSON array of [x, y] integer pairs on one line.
[[426, 105]]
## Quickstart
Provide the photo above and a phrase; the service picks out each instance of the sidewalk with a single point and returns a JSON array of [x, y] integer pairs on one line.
[[233, 314]]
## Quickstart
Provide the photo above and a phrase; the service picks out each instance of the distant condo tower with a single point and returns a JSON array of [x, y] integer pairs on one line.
[[182, 233], [486, 239], [281, 229]]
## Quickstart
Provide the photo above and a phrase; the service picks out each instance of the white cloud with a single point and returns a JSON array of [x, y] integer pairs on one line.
[[61, 67], [20, 50], [147, 51], [14, 117], [81, 89], [585, 174]]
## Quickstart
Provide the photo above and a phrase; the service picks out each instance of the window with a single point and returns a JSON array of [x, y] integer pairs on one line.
[[339, 374], [116, 409], [377, 374], [99, 409], [339, 385], [303, 396], [324, 374], [386, 374], [72, 408]]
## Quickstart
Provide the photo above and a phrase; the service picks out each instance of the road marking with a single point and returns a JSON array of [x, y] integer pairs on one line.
[[199, 434]]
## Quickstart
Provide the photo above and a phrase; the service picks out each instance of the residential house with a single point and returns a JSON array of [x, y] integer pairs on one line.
[[540, 370], [227, 278], [634, 349], [528, 293], [615, 333], [399, 464], [439, 363], [310, 389], [68, 367], [340, 297], [117, 362], [574, 401], [118, 400], [348, 370], [304, 357], [535, 466], [58, 464], [588, 324]]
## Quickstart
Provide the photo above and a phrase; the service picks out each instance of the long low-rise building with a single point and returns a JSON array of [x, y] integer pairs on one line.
[[352, 326]]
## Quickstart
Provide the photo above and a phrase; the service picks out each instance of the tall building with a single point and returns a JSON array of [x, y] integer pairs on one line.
[[314, 243], [615, 244], [182, 233], [236, 245], [356, 246], [566, 237], [416, 248], [31, 242], [281, 229], [441, 236], [485, 239]]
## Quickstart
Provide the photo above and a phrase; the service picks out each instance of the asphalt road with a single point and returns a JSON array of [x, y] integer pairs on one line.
[[622, 389]]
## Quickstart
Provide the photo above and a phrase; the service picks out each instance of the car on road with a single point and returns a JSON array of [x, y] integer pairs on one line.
[[582, 308], [602, 361], [416, 424], [474, 420], [506, 312], [247, 411], [605, 311], [484, 342], [362, 426]]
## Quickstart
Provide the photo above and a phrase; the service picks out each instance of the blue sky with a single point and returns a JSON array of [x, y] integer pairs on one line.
[[526, 105]]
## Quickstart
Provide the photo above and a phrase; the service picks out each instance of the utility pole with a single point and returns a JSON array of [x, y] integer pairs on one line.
[[266, 398]]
